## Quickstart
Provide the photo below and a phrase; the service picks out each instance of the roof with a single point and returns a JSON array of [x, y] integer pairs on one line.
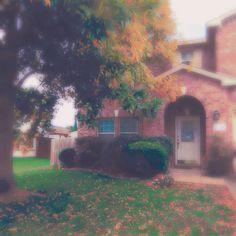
[[192, 42], [59, 130], [219, 20], [225, 80]]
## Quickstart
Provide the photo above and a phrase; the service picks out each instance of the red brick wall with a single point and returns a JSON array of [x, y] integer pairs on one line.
[[208, 57], [85, 131], [204, 54], [212, 96], [107, 112], [226, 47]]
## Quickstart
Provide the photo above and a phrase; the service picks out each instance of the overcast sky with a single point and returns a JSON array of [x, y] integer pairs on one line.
[[191, 17]]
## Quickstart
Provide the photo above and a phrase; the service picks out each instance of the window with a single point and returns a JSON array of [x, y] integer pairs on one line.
[[186, 57], [187, 131], [106, 126], [128, 126]]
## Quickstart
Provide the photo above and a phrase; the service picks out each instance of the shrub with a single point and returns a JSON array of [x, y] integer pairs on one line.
[[111, 156], [220, 157], [89, 151], [57, 202], [154, 152], [67, 157], [125, 139], [166, 141]]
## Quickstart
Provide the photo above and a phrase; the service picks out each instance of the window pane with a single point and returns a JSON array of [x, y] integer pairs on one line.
[[128, 125], [187, 131], [106, 126], [186, 57]]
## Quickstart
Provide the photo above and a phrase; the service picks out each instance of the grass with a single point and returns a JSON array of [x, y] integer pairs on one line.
[[93, 204], [29, 164]]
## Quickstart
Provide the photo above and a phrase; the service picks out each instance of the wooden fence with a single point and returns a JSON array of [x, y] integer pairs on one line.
[[57, 146]]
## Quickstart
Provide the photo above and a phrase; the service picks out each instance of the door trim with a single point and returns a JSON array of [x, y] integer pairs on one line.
[[198, 143]]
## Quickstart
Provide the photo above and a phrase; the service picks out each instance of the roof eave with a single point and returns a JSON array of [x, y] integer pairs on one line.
[[224, 81]]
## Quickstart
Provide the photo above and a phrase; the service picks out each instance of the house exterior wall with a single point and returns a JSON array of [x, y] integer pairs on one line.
[[226, 47], [208, 92], [196, 49], [84, 131], [213, 97], [203, 54], [218, 53]]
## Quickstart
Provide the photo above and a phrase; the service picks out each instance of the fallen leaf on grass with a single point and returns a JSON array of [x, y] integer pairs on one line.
[[131, 198], [13, 230], [55, 216], [117, 226]]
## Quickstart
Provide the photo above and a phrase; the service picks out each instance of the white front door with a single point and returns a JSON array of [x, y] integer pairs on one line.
[[187, 142]]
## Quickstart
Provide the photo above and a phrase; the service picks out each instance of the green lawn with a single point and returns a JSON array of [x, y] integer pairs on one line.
[[29, 164], [92, 204]]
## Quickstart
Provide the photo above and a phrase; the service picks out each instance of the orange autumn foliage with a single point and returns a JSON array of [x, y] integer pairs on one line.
[[47, 2], [146, 35]]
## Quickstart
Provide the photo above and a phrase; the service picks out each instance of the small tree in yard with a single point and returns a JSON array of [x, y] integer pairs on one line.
[[87, 49]]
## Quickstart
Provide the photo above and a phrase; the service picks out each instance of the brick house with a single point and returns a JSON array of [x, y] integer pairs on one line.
[[208, 103]]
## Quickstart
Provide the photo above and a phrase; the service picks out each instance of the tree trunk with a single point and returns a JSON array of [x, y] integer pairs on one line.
[[8, 68], [7, 98], [6, 140]]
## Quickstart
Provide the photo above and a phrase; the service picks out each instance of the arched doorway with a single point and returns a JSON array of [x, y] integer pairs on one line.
[[185, 122]]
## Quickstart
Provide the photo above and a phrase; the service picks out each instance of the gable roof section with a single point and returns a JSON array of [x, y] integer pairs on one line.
[[192, 42], [225, 80], [216, 22]]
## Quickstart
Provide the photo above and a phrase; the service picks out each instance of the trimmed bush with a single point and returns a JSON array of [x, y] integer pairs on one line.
[[166, 141], [154, 152], [89, 151], [220, 159], [67, 157], [111, 156]]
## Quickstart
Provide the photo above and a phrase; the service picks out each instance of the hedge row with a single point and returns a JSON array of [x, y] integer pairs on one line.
[[124, 155]]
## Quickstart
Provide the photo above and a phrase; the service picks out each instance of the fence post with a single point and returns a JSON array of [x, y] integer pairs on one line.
[[57, 145]]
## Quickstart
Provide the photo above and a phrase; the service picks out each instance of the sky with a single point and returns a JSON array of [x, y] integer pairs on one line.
[[190, 16]]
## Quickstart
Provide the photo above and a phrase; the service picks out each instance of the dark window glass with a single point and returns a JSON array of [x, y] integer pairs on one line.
[[106, 126], [186, 57], [187, 131], [128, 126]]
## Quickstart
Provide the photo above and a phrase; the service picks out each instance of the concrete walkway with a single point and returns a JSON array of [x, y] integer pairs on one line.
[[231, 183], [197, 176]]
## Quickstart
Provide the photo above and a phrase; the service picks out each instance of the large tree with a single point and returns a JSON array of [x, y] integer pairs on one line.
[[87, 49]]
